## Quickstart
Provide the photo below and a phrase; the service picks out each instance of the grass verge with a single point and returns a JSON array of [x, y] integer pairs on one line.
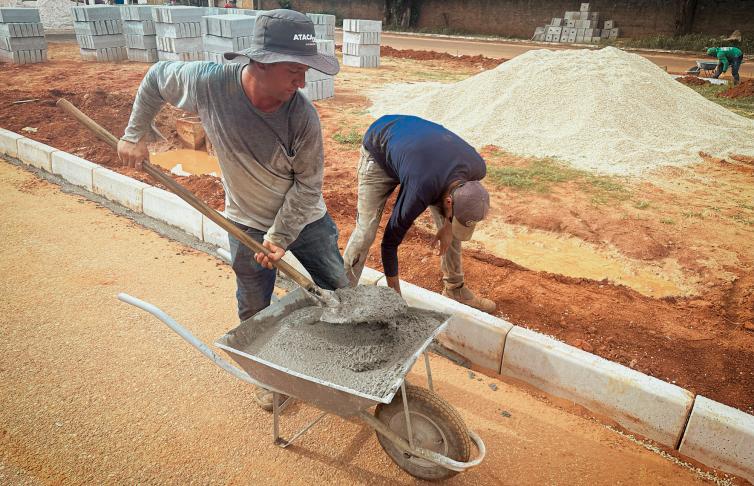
[[742, 106]]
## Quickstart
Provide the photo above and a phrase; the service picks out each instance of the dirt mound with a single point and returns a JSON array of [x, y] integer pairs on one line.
[[743, 90], [691, 81], [476, 61]]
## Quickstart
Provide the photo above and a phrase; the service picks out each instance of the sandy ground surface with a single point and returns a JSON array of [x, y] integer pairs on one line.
[[95, 391], [656, 274], [675, 62]]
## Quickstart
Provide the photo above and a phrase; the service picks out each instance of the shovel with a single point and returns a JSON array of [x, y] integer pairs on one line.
[[325, 297]]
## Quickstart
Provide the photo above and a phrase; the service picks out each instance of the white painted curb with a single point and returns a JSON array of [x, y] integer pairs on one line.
[[75, 170], [720, 436], [9, 142], [35, 153], [214, 234], [119, 188], [638, 402], [473, 334], [168, 207]]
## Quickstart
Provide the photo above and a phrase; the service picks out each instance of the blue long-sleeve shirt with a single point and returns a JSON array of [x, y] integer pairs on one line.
[[424, 158]]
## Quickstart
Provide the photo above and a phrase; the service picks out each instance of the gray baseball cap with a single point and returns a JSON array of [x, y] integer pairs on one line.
[[471, 202], [285, 35]]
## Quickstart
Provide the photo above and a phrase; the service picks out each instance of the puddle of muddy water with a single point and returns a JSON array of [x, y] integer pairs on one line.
[[191, 161], [572, 257]]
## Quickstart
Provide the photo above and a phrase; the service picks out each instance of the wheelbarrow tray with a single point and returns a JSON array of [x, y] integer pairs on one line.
[[706, 65], [328, 395]]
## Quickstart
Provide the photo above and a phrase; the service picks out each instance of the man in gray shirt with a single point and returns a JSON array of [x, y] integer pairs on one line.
[[269, 145]]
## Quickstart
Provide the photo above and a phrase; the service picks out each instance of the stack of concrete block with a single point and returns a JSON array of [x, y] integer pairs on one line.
[[179, 33], [576, 27], [324, 26], [361, 43], [22, 37], [226, 33], [319, 85], [138, 27], [99, 31]]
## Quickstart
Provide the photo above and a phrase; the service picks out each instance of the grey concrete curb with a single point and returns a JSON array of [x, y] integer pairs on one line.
[[707, 431]]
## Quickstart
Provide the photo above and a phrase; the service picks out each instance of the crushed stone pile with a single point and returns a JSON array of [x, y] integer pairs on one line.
[[606, 111]]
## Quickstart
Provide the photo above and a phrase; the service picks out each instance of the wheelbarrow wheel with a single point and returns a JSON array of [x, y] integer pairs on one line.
[[436, 426]]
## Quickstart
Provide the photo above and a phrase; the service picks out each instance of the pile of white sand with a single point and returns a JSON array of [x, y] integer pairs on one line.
[[607, 111]]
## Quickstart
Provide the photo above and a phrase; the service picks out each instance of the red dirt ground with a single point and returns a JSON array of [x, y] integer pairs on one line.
[[744, 89], [701, 342], [691, 81]]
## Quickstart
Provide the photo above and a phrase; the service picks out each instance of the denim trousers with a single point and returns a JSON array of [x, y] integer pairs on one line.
[[316, 248]]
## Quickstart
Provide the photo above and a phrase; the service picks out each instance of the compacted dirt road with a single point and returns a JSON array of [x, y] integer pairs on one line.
[[95, 391]]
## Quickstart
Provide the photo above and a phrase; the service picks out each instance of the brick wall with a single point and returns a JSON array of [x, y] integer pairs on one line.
[[518, 18]]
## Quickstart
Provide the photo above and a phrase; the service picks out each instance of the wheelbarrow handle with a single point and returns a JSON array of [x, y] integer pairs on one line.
[[190, 198]]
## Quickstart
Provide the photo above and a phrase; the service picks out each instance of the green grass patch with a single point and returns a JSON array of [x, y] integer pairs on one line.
[[541, 175], [688, 42], [641, 204], [667, 221], [351, 138], [742, 106]]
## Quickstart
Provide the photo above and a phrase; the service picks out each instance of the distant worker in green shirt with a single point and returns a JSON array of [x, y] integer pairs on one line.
[[726, 56]]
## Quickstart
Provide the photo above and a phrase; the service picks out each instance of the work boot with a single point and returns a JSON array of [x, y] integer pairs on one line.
[[466, 296], [263, 397]]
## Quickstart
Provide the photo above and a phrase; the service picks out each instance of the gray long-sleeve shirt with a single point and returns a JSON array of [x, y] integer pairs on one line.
[[272, 163]]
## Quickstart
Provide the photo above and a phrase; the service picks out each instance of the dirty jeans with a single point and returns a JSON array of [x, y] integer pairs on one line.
[[375, 187], [316, 248], [735, 65]]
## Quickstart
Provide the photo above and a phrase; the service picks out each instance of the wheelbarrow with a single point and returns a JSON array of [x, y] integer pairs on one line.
[[423, 434]]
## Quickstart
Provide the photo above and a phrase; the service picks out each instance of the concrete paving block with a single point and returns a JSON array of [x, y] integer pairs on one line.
[[325, 46], [178, 30], [180, 56], [183, 44], [101, 41], [475, 335], [324, 31], [359, 25], [362, 37], [9, 142], [119, 188], [74, 169], [361, 61], [321, 19], [22, 43], [720, 436], [609, 24], [556, 22], [135, 41], [22, 30], [640, 403], [168, 207], [237, 25], [96, 12], [142, 55], [242, 11], [177, 14], [139, 27], [8, 15], [214, 234], [24, 57], [106, 54], [320, 89], [35, 153], [314, 75], [364, 50], [136, 12], [210, 25], [213, 43]]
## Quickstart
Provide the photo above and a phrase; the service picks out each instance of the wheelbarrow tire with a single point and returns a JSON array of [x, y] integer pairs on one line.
[[436, 425]]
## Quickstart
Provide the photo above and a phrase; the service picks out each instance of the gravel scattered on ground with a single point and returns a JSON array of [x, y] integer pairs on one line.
[[606, 111]]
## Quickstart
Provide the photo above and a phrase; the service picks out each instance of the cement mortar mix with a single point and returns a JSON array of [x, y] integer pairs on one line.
[[367, 357], [606, 111]]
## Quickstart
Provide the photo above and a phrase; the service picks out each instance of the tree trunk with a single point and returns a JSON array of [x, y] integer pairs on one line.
[[684, 20]]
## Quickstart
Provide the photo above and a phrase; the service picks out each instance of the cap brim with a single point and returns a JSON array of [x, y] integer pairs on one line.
[[462, 232], [321, 62]]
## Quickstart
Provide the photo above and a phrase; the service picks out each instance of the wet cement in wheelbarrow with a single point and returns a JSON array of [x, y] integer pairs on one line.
[[367, 357]]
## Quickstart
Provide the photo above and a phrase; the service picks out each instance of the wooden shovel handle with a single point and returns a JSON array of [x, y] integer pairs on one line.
[[187, 196]]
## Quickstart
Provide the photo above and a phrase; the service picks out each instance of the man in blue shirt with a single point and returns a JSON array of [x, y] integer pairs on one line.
[[436, 169]]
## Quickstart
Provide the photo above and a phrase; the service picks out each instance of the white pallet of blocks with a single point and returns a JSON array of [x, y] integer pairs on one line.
[[141, 38], [22, 37], [361, 43], [99, 32], [324, 26], [578, 27], [179, 33], [320, 86], [226, 33]]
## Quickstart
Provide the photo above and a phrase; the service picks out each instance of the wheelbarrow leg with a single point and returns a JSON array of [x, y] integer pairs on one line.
[[277, 409]]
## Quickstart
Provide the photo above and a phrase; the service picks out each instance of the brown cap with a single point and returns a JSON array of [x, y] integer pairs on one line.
[[471, 202]]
